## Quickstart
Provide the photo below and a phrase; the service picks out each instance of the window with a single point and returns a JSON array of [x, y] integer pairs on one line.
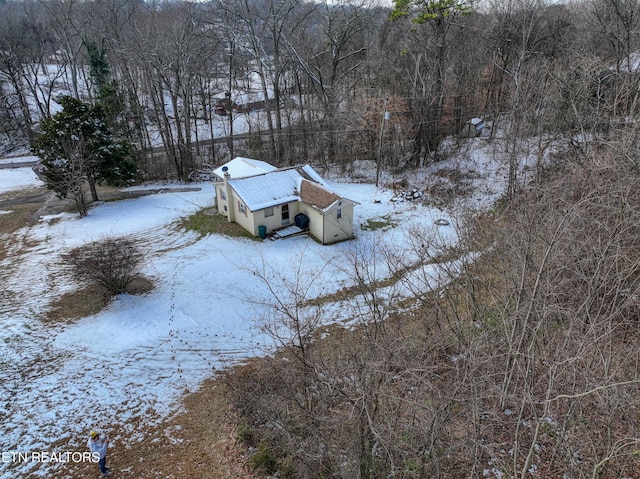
[[242, 208], [339, 213], [223, 195], [268, 212]]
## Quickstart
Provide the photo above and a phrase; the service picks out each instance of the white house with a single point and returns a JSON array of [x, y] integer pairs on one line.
[[271, 199]]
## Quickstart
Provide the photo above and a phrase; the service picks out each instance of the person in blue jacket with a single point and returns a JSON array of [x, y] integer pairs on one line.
[[98, 444]]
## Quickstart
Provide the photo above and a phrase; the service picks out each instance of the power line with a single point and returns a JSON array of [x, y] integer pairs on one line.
[[300, 132]]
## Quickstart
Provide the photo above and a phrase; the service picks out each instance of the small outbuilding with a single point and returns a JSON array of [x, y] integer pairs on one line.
[[330, 216], [473, 128]]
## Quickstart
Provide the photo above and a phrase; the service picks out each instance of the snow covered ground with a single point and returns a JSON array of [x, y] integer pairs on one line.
[[133, 361]]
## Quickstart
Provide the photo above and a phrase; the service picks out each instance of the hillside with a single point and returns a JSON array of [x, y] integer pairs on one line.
[[528, 311], [126, 368], [524, 365], [483, 322]]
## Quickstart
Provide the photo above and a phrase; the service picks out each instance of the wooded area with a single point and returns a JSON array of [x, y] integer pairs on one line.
[[524, 365], [322, 74]]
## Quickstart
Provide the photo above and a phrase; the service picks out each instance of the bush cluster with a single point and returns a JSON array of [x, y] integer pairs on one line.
[[110, 264]]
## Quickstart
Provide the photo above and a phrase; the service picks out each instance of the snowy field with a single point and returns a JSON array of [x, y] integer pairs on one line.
[[131, 363]]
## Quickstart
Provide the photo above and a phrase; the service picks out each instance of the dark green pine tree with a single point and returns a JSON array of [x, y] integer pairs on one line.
[[99, 69], [76, 148], [106, 90]]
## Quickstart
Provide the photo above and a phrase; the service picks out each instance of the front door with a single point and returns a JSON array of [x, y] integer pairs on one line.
[[285, 214]]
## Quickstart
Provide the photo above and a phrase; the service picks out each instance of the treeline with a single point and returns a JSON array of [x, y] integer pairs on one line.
[[324, 73]]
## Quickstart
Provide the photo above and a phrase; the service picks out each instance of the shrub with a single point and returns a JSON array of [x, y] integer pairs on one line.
[[264, 460], [111, 264]]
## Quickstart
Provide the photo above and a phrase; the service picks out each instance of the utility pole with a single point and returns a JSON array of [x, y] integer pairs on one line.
[[229, 103], [385, 117]]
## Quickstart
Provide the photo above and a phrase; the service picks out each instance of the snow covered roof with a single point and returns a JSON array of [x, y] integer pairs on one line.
[[269, 189], [313, 175], [283, 186], [240, 167]]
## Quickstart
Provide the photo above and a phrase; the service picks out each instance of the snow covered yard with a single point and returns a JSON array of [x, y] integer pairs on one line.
[[131, 363]]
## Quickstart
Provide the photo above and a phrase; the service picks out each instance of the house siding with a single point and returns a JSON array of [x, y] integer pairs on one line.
[[251, 220], [316, 221], [244, 219], [327, 227], [338, 229], [274, 222], [223, 203]]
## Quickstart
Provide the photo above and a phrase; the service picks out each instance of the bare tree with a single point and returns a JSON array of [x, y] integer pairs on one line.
[[523, 52], [15, 54], [174, 50], [430, 62], [616, 24], [68, 29], [331, 53]]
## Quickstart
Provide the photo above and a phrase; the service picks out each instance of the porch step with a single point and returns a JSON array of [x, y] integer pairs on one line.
[[287, 231]]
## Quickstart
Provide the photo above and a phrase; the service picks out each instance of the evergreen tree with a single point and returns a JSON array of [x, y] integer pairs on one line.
[[106, 90], [77, 148], [99, 69]]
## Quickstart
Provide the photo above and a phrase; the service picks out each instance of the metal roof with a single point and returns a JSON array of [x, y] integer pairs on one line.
[[269, 189], [241, 167]]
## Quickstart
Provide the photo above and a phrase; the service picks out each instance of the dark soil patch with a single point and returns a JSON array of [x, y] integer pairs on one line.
[[77, 304], [16, 217]]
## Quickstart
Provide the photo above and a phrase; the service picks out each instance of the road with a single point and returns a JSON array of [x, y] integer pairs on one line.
[[104, 196], [19, 164]]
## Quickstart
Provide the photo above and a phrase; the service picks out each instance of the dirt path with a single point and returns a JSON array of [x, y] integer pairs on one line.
[[25, 200]]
